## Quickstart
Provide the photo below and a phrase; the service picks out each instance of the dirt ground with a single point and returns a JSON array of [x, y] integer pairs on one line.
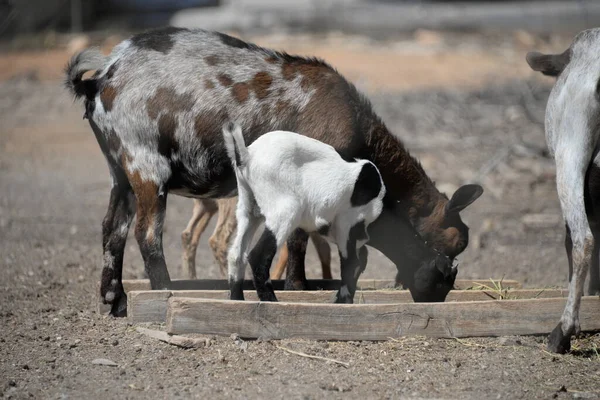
[[466, 105]]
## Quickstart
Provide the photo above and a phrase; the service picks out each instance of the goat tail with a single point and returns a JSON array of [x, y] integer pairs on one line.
[[235, 145], [86, 60]]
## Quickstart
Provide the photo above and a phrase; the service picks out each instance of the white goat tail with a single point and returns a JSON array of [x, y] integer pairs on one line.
[[235, 145]]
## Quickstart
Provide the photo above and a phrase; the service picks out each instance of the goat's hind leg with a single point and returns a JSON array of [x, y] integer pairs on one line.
[[295, 277], [151, 200], [570, 176], [279, 224], [115, 227], [569, 249], [225, 228], [594, 282], [261, 258], [324, 253], [203, 212], [247, 224]]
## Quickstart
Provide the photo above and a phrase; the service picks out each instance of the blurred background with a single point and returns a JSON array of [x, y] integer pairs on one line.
[[448, 77]]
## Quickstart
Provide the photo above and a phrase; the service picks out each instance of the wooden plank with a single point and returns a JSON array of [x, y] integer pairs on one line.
[[151, 305], [313, 284], [252, 319], [148, 305]]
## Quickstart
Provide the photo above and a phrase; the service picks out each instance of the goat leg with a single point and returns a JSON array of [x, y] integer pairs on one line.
[[115, 227], [295, 278]]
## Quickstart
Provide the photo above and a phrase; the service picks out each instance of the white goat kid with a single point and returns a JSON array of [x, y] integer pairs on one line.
[[291, 182], [572, 130]]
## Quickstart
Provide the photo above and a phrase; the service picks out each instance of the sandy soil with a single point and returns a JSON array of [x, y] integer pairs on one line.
[[470, 115]]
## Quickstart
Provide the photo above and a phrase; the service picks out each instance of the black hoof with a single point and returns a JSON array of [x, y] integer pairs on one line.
[[267, 297], [236, 296], [236, 290], [119, 308], [557, 342], [343, 299]]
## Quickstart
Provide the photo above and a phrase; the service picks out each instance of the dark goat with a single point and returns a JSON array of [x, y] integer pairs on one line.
[[157, 105]]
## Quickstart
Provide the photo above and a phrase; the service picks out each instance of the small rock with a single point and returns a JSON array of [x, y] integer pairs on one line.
[[104, 361], [584, 395], [234, 336], [541, 221], [12, 383], [115, 342], [509, 341], [26, 367]]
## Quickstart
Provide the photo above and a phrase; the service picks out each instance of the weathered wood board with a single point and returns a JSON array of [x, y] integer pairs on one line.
[[151, 305], [313, 284], [251, 319]]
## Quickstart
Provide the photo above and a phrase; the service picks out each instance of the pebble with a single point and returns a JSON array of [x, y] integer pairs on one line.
[[104, 361], [509, 341]]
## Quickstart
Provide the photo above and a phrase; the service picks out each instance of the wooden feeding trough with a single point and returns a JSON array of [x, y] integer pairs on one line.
[[379, 313]]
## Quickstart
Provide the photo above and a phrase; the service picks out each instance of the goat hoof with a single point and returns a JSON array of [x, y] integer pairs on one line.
[[268, 296], [344, 300], [558, 342], [119, 308]]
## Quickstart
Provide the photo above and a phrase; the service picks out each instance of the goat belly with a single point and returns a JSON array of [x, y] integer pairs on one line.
[[204, 183]]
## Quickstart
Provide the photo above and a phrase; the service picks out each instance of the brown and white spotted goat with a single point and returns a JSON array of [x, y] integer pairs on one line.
[[572, 132], [157, 105]]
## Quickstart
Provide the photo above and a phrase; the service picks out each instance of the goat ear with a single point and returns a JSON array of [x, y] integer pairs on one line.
[[548, 64], [463, 196]]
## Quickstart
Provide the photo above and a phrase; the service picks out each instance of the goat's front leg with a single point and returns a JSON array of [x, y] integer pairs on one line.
[[151, 208], [349, 265], [190, 237], [115, 227], [351, 270], [295, 278], [570, 175]]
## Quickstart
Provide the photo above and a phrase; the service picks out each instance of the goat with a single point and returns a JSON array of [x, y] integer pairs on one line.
[[572, 133], [157, 104], [292, 181], [204, 210]]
